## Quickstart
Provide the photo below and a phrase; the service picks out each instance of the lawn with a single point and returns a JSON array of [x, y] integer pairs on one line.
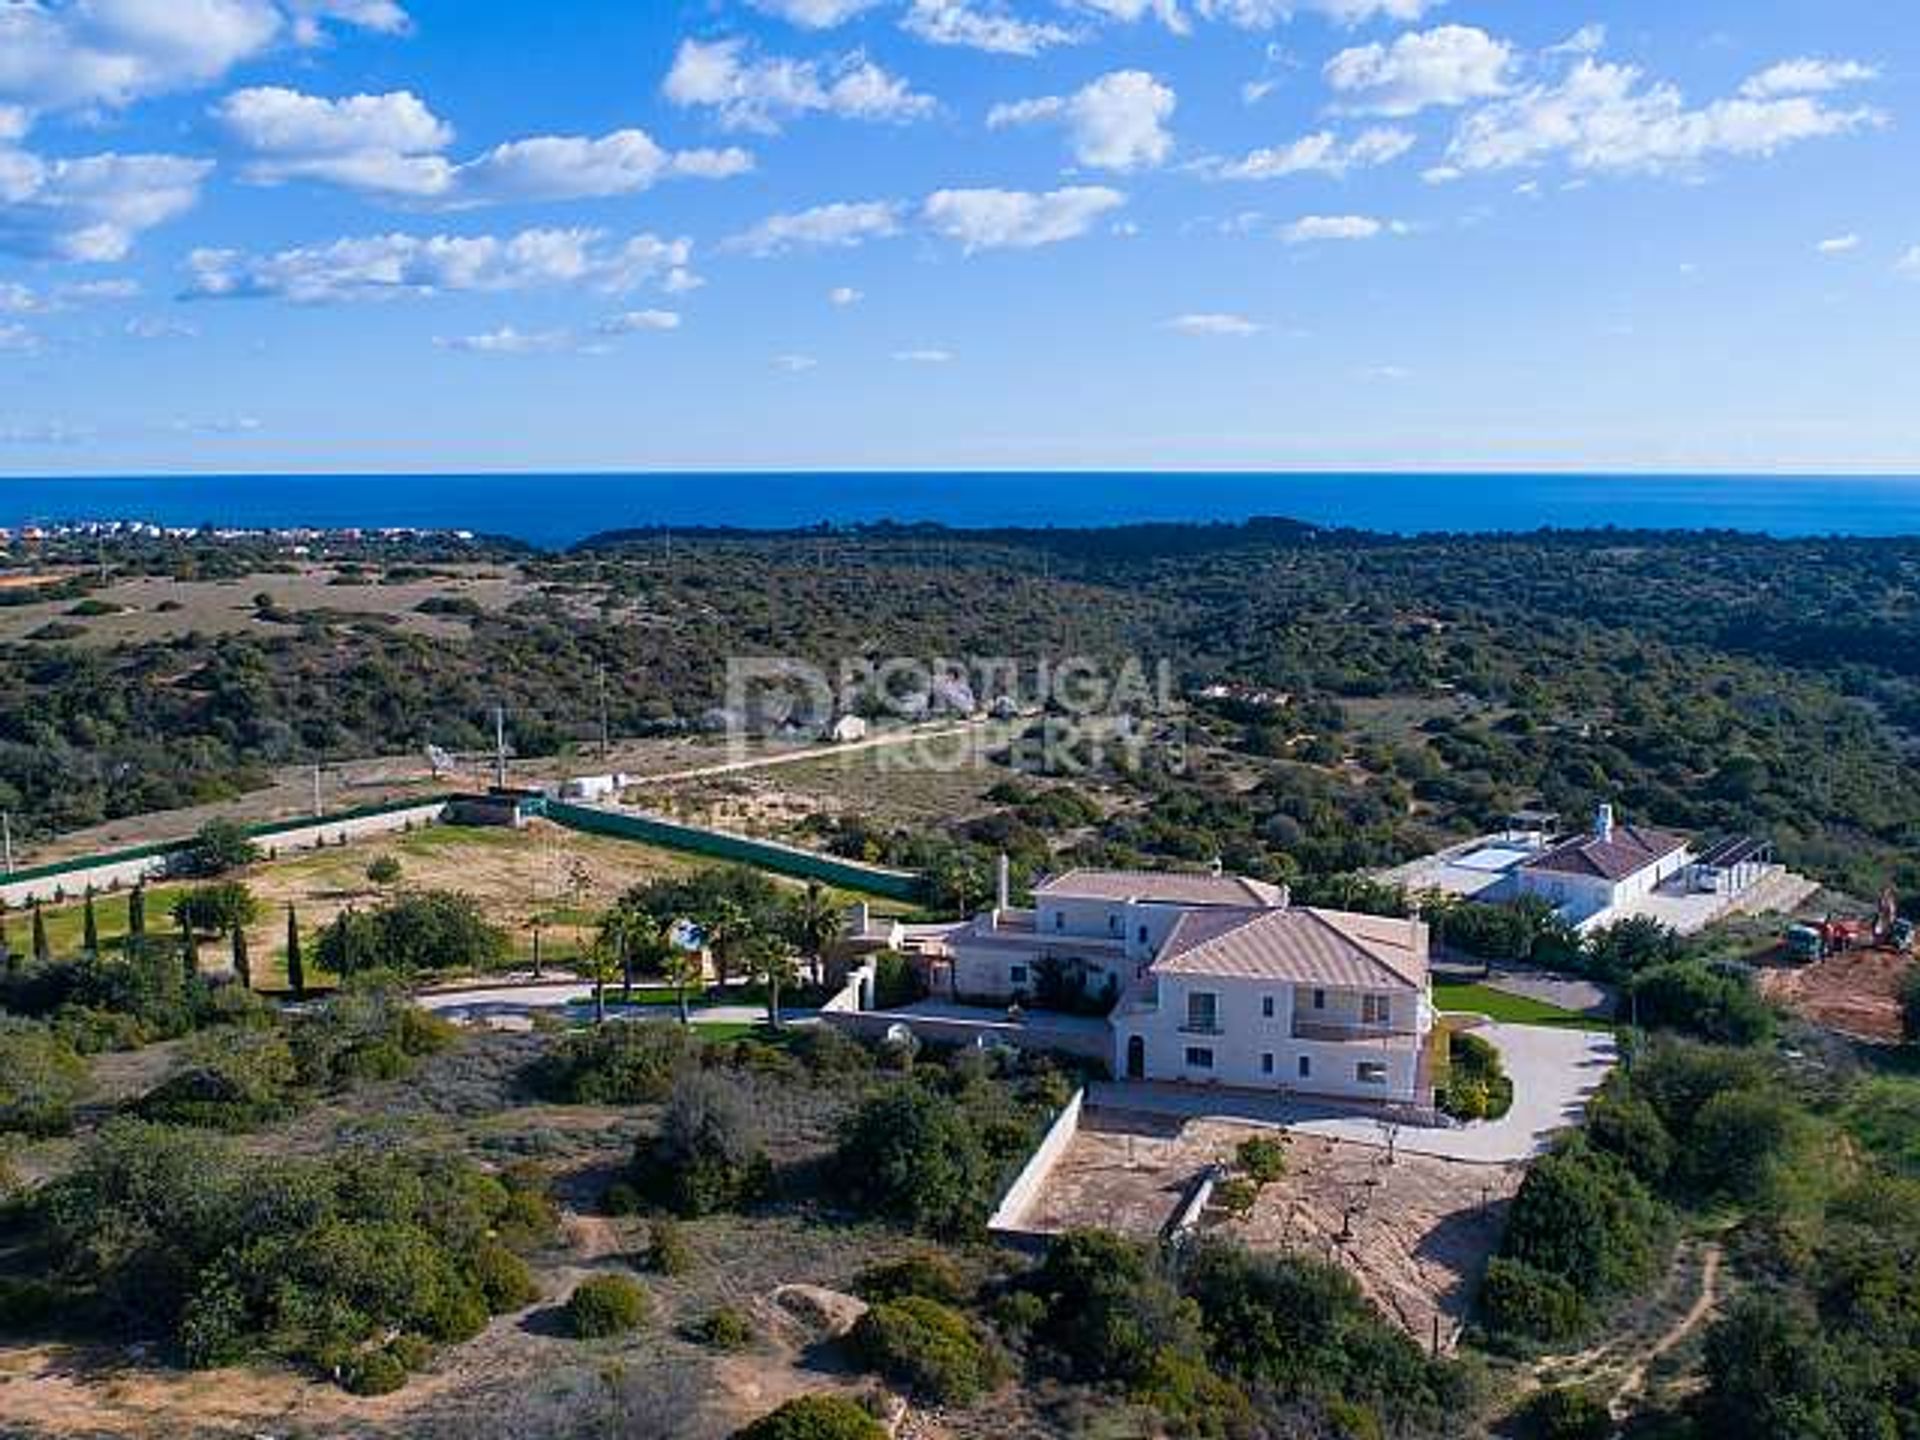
[[1510, 1009]]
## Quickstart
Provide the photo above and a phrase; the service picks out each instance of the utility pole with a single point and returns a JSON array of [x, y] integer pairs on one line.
[[606, 734], [318, 809], [6, 833], [500, 747]]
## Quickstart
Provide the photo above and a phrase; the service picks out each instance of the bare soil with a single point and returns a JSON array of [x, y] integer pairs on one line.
[[1856, 994]]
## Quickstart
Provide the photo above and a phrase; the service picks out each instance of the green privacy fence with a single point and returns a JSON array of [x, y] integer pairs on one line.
[[902, 885]]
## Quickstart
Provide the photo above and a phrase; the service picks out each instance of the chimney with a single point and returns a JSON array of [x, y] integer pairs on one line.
[[1218, 867], [1603, 821], [1003, 886]]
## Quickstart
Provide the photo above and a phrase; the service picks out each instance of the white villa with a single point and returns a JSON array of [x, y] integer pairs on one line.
[[1590, 876], [1218, 980]]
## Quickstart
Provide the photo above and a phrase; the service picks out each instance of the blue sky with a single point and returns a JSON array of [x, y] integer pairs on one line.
[[490, 234]]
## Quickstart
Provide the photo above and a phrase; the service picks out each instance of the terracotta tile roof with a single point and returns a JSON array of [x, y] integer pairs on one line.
[[1162, 886], [1628, 851], [1300, 945]]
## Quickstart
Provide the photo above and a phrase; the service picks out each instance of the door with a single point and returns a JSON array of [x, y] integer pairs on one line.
[[1136, 1058]]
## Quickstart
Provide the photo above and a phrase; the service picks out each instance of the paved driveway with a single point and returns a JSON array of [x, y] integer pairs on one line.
[[1555, 1073]]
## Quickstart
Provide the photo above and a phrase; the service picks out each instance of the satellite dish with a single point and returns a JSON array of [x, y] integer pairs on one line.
[[686, 935]]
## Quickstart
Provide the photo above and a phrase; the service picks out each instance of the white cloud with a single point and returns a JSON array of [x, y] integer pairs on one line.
[[16, 299], [92, 208], [106, 54], [1807, 77], [147, 327], [1266, 14], [1213, 324], [1450, 65], [1323, 153], [1909, 263], [18, 340], [842, 296], [379, 267], [1607, 117], [1018, 219], [928, 356], [1117, 122], [1838, 244], [509, 341], [639, 322], [1312, 228], [761, 93], [388, 146], [1167, 12], [794, 364], [814, 14], [982, 25], [1587, 40], [839, 225]]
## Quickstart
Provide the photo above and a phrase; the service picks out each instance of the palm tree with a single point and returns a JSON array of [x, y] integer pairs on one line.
[[600, 962], [772, 964], [242, 966], [725, 928], [811, 922], [683, 967]]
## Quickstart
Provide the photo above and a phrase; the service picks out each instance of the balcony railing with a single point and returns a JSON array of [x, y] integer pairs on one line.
[[1190, 1028], [1339, 1031]]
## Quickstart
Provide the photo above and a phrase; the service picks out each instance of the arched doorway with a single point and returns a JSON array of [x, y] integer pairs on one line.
[[1136, 1058]]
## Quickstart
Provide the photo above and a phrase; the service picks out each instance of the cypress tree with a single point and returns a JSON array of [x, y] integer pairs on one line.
[[241, 966], [9, 957], [189, 948], [89, 927], [137, 913], [42, 948], [296, 972]]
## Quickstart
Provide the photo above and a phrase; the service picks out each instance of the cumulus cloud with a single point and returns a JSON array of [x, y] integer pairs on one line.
[[839, 225], [378, 267], [1322, 153], [1607, 117], [1909, 263], [1213, 324], [982, 25], [1838, 244], [509, 341], [639, 322], [1807, 77], [106, 54], [1018, 219], [1266, 14], [1448, 66], [926, 356], [841, 296], [1312, 228], [18, 340], [388, 146], [761, 93], [148, 327], [814, 14], [1117, 122], [92, 208], [1167, 12]]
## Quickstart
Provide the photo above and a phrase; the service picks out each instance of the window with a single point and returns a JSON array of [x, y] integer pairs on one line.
[[1306, 1067], [1266, 1007], [1374, 1010], [1113, 924], [1203, 1012], [1059, 919], [1266, 1064], [1199, 1057], [1319, 999], [1143, 934], [1016, 974], [1371, 1072]]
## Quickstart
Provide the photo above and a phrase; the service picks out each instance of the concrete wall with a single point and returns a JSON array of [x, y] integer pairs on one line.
[[944, 1030], [1008, 1217], [119, 870]]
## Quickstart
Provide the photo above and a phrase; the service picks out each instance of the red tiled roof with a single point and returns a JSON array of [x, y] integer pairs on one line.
[[1628, 851]]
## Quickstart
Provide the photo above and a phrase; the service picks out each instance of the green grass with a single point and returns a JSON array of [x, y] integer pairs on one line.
[[1511, 1009]]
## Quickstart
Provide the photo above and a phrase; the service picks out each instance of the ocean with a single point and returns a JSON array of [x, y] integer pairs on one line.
[[558, 510]]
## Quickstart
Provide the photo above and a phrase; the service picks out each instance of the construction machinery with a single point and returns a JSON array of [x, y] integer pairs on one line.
[[1887, 930]]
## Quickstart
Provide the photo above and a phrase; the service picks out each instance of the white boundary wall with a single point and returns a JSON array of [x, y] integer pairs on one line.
[[1025, 1189]]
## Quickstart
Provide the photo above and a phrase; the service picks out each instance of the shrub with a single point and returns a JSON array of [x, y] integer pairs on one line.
[[607, 1305], [896, 982], [708, 1155], [615, 1065], [827, 1051], [41, 1079], [725, 1329], [1477, 1087], [1519, 1301], [1624, 1125], [1261, 1158], [928, 1347], [1582, 1216], [915, 1157], [928, 1274], [1568, 1412], [231, 1080], [374, 1372], [668, 1252], [1711, 1002], [504, 1279], [815, 1417], [219, 847], [1110, 1310], [414, 934], [383, 870], [620, 1198], [1237, 1197]]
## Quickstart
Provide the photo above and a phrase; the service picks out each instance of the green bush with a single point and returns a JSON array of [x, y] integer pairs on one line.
[[230, 1080], [709, 1155], [607, 1305], [725, 1329], [615, 1065], [815, 1417], [896, 981], [41, 1079], [1519, 1301], [504, 1279], [1478, 1087], [412, 935], [1581, 1215], [620, 1198], [928, 1274], [1568, 1412], [1261, 1158], [668, 1252], [928, 1347], [375, 1372], [917, 1158], [1237, 1197]]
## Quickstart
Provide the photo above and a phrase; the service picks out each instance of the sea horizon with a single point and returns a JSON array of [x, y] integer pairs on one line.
[[555, 509]]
